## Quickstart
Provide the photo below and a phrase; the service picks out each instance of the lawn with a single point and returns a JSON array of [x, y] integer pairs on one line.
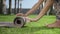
[[38, 27]]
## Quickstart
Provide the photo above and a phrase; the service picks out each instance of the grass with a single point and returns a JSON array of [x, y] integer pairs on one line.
[[32, 27]]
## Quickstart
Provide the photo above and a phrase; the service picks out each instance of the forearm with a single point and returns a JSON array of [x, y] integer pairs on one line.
[[35, 7], [49, 3]]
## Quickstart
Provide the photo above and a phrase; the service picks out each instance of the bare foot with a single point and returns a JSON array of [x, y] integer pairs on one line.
[[55, 24]]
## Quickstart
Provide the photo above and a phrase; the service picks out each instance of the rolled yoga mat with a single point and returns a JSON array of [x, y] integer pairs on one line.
[[18, 22]]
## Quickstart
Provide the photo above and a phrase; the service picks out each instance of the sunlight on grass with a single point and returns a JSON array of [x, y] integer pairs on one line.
[[32, 27]]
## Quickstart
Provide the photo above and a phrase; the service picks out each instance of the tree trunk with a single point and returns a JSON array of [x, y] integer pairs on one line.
[[18, 6], [4, 7], [10, 4], [0, 6], [15, 7]]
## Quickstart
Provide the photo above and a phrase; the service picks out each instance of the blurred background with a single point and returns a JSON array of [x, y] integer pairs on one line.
[[21, 6]]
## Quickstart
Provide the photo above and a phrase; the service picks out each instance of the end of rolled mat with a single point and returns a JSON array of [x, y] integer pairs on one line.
[[19, 21]]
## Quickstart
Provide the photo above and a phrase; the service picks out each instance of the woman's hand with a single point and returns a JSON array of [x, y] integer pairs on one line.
[[27, 18], [30, 19], [20, 14]]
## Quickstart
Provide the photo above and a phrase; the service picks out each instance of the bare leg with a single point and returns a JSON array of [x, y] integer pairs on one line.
[[57, 22]]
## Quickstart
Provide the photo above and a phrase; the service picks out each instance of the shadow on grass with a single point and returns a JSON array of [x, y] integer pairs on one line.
[[35, 29], [31, 28], [39, 28], [25, 29]]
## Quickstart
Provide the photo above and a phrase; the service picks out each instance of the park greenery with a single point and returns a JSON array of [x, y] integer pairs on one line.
[[38, 27]]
